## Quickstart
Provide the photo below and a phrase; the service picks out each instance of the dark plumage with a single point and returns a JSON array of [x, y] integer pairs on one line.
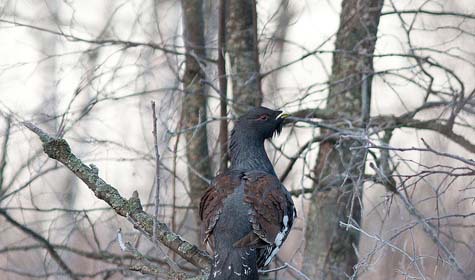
[[247, 213]]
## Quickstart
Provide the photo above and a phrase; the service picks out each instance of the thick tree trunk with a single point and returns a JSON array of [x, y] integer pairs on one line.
[[194, 102], [330, 251], [241, 46]]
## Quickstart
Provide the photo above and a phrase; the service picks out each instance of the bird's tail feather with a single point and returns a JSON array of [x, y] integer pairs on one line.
[[235, 264]]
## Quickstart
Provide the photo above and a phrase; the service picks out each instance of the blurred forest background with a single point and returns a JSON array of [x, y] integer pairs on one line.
[[378, 156]]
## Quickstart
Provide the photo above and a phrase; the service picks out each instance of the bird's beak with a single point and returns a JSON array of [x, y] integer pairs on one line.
[[283, 116]]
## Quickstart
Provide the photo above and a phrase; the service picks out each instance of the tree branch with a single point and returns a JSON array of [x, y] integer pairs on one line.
[[429, 12], [3, 157], [58, 149], [434, 125], [45, 243]]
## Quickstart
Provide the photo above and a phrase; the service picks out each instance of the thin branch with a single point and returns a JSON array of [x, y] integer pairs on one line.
[[3, 157], [157, 172], [440, 128], [428, 12], [45, 243], [432, 232], [73, 38], [285, 266], [144, 266], [294, 159]]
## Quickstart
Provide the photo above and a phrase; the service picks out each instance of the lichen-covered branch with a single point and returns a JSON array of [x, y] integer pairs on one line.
[[59, 150]]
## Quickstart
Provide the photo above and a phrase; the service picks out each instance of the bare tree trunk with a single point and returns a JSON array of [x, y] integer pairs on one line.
[[194, 102], [285, 14], [330, 250], [241, 46], [223, 86]]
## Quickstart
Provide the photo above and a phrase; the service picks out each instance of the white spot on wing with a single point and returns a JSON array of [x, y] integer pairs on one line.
[[279, 239]]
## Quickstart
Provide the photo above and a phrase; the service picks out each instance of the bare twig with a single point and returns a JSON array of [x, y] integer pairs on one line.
[[3, 151], [157, 172], [429, 12], [432, 232], [144, 266], [294, 159], [45, 243], [102, 42], [285, 266]]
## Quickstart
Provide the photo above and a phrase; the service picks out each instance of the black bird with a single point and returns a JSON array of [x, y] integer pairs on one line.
[[247, 213]]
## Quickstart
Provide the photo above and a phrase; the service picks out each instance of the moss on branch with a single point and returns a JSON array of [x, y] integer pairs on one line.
[[60, 150]]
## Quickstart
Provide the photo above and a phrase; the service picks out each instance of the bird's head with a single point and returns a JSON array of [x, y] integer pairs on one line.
[[261, 122]]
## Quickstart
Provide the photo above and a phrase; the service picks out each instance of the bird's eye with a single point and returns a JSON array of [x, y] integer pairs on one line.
[[264, 117]]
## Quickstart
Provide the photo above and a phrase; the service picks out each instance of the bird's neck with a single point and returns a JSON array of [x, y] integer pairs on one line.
[[248, 153]]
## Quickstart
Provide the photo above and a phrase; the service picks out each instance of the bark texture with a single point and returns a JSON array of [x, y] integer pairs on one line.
[[194, 102], [241, 46], [330, 251]]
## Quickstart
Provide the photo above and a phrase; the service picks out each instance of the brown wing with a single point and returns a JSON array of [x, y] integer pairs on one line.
[[271, 213], [211, 204]]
